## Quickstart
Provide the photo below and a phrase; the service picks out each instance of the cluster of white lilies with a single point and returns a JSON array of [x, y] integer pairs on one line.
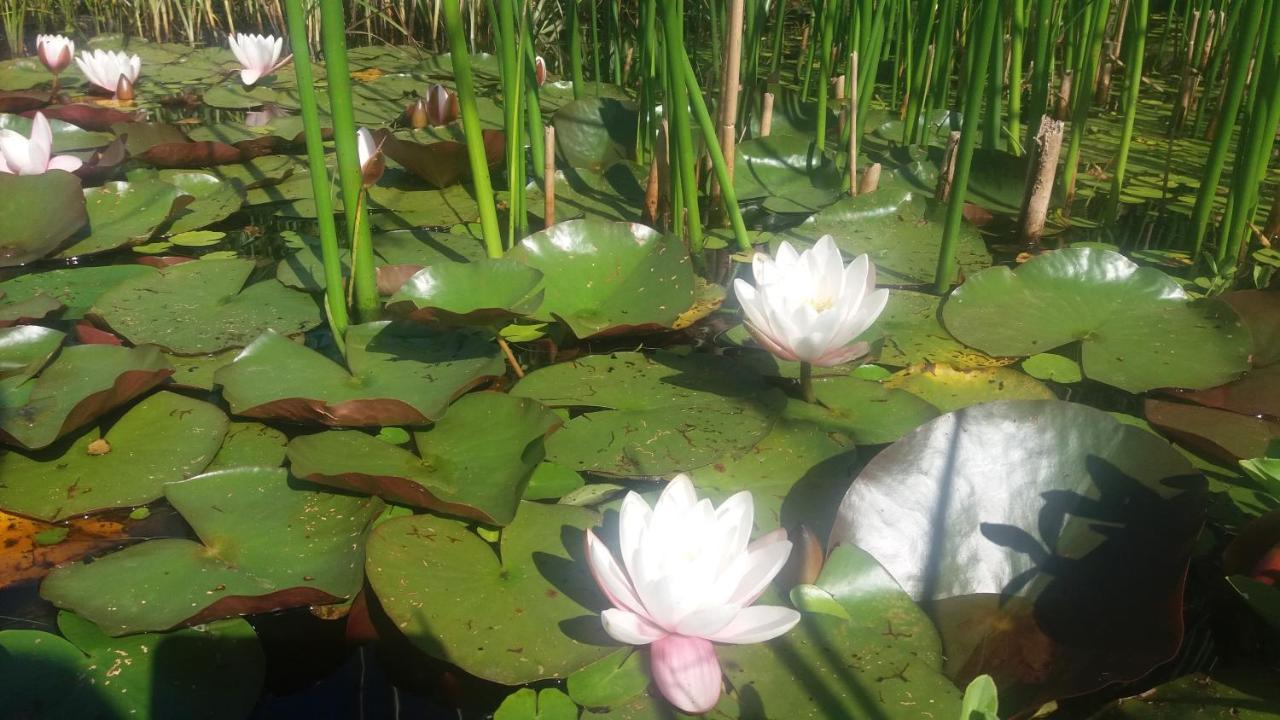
[[689, 571]]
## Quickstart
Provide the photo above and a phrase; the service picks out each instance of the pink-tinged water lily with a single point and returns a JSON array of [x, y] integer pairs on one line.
[[809, 306], [34, 155], [258, 55], [442, 106], [688, 578], [115, 72], [55, 52], [540, 70], [369, 151]]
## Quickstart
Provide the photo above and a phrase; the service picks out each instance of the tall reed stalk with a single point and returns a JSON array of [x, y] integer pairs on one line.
[[979, 49], [718, 162], [681, 153], [1132, 88]]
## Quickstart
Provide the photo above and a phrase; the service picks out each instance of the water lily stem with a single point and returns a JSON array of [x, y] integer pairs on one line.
[[511, 358], [333, 31], [461, 58], [296, 20], [806, 382]]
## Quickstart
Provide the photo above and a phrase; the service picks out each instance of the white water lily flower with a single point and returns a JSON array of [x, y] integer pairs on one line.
[[258, 55], [809, 306], [33, 156], [688, 576], [55, 52], [105, 69], [369, 150]]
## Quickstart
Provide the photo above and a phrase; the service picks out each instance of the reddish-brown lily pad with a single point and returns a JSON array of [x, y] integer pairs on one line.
[[1221, 434]]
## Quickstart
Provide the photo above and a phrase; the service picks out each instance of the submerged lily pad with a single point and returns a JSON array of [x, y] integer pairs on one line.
[[395, 375], [657, 414], [474, 462], [164, 438], [604, 278], [214, 671], [31, 229], [1037, 529], [265, 544], [898, 229], [1138, 329], [198, 308], [81, 383], [530, 610]]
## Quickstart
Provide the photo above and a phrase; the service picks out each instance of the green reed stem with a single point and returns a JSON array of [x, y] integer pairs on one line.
[[1017, 41], [779, 24], [333, 33], [1132, 88], [461, 58], [995, 88], [727, 192], [980, 50], [575, 51], [1042, 67], [1241, 50], [296, 21], [827, 29], [1094, 30], [682, 158]]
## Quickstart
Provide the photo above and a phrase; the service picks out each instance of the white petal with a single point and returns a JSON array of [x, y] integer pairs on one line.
[[706, 622], [610, 577], [629, 628], [632, 520], [735, 517], [678, 495], [757, 624], [249, 76], [763, 563], [68, 163]]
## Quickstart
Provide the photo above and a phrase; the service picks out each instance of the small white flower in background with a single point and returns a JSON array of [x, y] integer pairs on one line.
[[370, 152], [809, 306], [55, 52], [688, 576], [107, 69], [258, 55], [33, 156], [540, 70]]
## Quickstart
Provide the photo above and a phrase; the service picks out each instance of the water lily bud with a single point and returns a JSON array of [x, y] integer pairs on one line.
[[372, 163], [55, 52], [124, 89], [809, 307], [442, 106], [688, 578], [540, 70], [417, 114]]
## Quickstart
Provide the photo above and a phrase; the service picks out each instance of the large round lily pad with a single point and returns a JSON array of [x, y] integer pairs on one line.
[[871, 412], [484, 292], [40, 212], [908, 332], [1050, 542], [658, 414], [596, 132], [164, 438], [788, 172], [474, 462], [76, 288], [410, 248], [198, 308], [81, 383], [123, 214], [265, 544], [1138, 329], [900, 231], [206, 673], [605, 277], [395, 375], [528, 612]]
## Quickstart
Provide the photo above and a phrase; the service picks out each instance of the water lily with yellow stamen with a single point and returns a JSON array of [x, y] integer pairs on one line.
[[688, 578], [809, 306]]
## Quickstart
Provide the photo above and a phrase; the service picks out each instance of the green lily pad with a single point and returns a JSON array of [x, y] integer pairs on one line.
[[1258, 310], [395, 375], [33, 309], [486, 292], [788, 171], [250, 444], [395, 209], [165, 438], [25, 349], [616, 193], [604, 278], [31, 230], [908, 333], [898, 229], [1055, 368], [198, 308], [658, 414], [1232, 694], [265, 544], [214, 671], [123, 214], [65, 135], [82, 383], [595, 132], [474, 462], [197, 371], [523, 618], [76, 287], [1138, 329], [530, 704], [947, 388], [197, 238], [870, 412], [550, 481], [214, 199], [304, 269], [1039, 528], [617, 677]]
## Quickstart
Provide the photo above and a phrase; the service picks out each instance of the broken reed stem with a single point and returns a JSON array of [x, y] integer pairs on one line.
[[870, 179], [947, 173], [549, 177], [766, 115], [1046, 147]]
